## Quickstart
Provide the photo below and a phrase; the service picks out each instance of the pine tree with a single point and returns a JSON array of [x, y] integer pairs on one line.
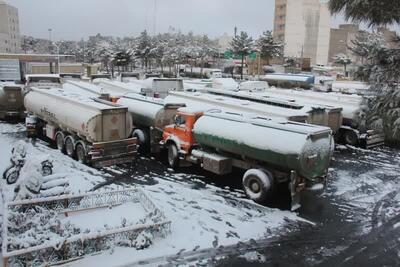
[[242, 45], [268, 47], [290, 63], [144, 48], [373, 12], [382, 65]]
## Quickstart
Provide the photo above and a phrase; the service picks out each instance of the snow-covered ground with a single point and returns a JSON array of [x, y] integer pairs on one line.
[[367, 181], [363, 187], [201, 218]]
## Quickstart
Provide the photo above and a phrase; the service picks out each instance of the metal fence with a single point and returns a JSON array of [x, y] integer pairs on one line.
[[81, 244]]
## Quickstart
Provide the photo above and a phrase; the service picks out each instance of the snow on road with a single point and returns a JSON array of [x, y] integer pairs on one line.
[[367, 183], [200, 219]]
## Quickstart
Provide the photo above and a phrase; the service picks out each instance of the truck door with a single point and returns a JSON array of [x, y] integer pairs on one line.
[[182, 132]]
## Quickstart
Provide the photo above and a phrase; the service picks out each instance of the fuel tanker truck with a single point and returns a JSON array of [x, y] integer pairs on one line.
[[320, 114], [270, 152], [280, 109], [11, 101], [91, 130], [349, 132]]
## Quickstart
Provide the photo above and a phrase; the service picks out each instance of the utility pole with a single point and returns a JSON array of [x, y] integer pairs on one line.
[[235, 31], [50, 30], [302, 56], [155, 18]]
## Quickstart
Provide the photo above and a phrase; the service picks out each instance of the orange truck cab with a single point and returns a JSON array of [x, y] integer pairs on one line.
[[179, 138]]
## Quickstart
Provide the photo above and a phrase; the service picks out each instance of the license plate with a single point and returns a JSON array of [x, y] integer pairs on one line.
[[111, 162]]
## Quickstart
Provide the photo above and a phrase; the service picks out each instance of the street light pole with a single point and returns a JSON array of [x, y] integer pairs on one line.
[[50, 40], [58, 57]]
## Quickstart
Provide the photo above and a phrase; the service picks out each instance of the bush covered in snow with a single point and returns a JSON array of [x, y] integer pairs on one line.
[[381, 62], [35, 226], [381, 69]]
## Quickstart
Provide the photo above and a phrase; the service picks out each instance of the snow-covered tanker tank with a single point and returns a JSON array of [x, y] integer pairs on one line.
[[305, 149], [349, 132], [11, 101], [89, 129], [150, 116], [275, 109]]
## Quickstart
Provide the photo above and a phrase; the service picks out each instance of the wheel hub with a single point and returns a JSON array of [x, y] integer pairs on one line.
[[255, 186], [69, 148], [60, 142]]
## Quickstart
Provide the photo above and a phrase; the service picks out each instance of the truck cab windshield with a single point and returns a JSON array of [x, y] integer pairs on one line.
[[180, 120]]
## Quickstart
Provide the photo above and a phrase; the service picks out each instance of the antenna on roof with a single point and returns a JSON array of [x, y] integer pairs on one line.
[[155, 17]]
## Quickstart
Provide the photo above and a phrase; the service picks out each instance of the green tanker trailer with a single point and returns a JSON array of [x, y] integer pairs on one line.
[[271, 152]]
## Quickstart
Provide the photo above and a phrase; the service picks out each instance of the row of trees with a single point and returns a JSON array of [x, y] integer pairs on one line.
[[143, 51], [267, 47], [381, 62], [147, 52]]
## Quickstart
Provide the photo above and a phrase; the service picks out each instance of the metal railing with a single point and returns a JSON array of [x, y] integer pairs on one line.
[[63, 249]]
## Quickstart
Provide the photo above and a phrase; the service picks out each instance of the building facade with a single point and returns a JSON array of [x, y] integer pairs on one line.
[[304, 28], [341, 39], [10, 39]]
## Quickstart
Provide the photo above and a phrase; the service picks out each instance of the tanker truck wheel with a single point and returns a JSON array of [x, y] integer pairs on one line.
[[81, 154], [173, 156], [140, 135], [60, 142], [69, 146], [351, 138], [258, 184]]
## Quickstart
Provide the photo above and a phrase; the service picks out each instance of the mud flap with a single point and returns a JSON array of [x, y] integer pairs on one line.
[[295, 195]]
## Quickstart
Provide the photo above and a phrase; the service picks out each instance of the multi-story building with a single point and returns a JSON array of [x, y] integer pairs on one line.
[[341, 39], [9, 29], [304, 28]]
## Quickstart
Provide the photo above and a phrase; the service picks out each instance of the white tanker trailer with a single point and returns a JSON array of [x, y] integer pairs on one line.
[[282, 110], [333, 117], [11, 101], [116, 89], [91, 130], [150, 116], [349, 132]]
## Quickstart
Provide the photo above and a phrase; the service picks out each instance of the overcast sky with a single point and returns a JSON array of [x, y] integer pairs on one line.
[[76, 19]]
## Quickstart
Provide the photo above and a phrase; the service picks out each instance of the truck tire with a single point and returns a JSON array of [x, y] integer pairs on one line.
[[60, 143], [142, 140], [81, 154], [69, 146], [173, 156], [351, 138], [258, 184]]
